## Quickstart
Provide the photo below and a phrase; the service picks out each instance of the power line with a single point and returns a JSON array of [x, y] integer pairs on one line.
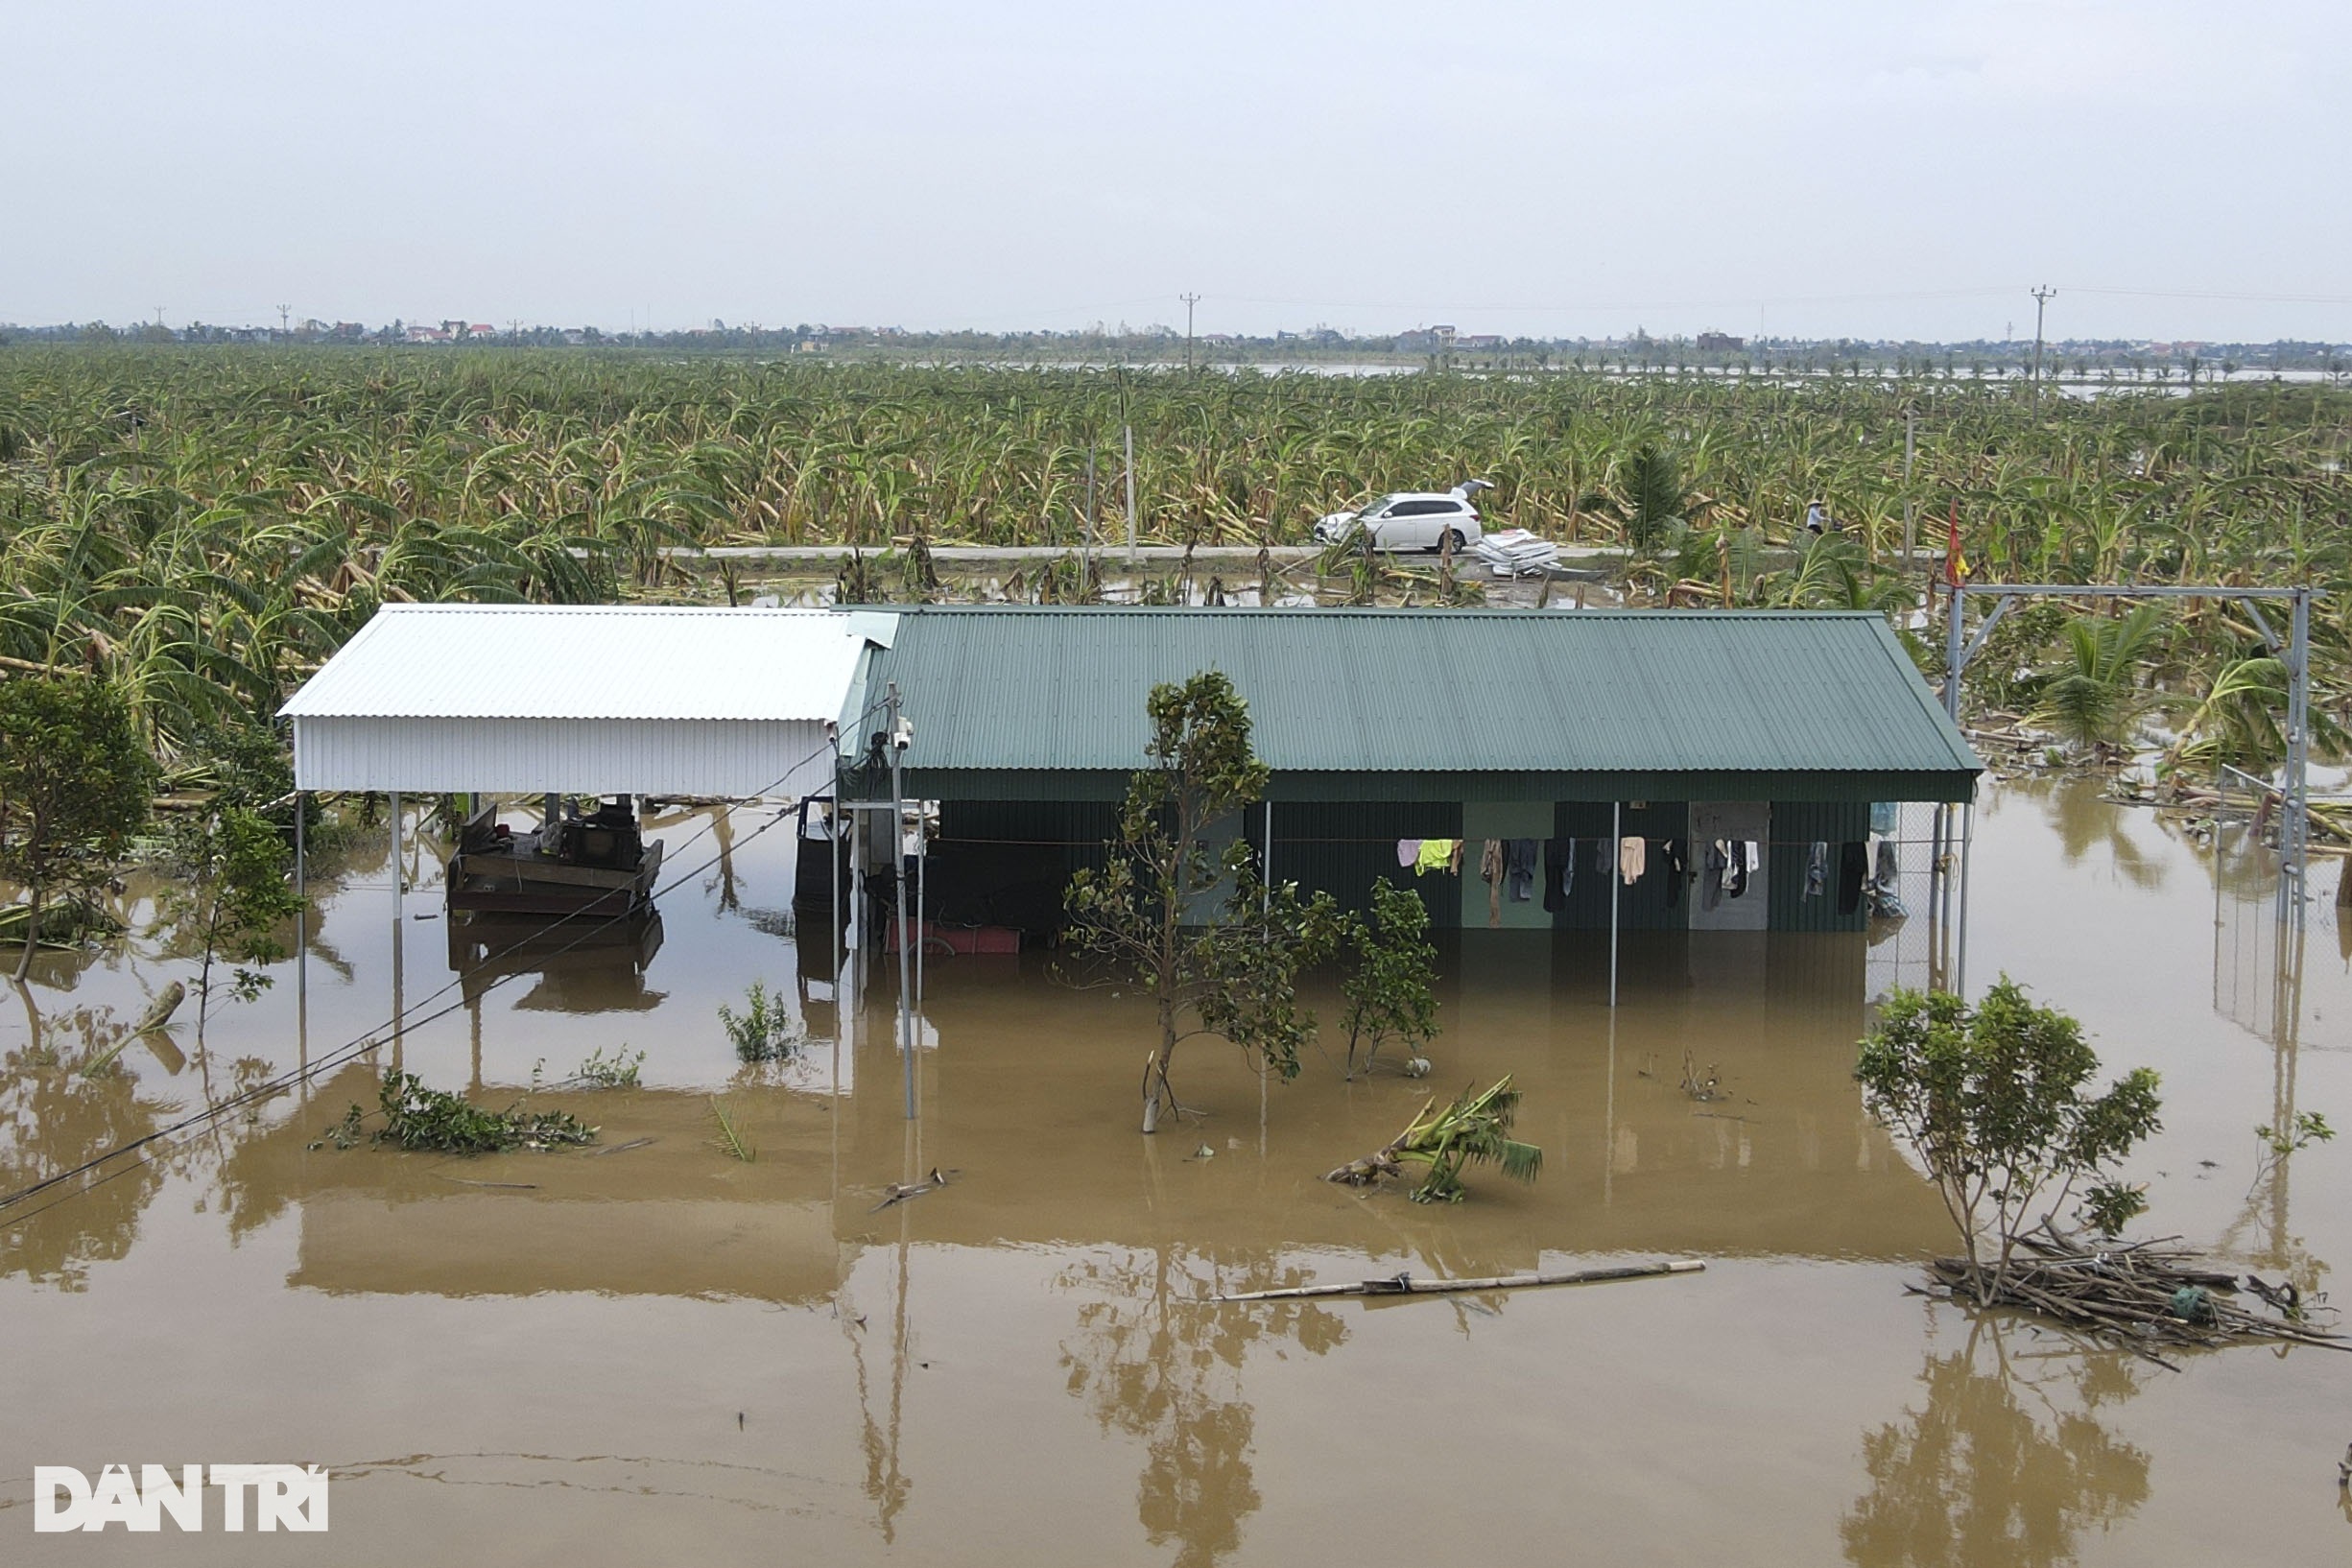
[[401, 1020]]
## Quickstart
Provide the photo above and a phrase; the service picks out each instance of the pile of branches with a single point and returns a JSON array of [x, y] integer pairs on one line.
[[428, 1119], [2141, 1295]]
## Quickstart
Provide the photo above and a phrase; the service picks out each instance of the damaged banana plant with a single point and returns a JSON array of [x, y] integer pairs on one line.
[[1474, 1129]]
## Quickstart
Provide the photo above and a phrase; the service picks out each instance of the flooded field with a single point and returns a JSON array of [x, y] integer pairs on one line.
[[657, 1352]]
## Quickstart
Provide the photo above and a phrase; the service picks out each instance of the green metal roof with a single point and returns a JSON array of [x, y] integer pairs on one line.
[[1048, 702]]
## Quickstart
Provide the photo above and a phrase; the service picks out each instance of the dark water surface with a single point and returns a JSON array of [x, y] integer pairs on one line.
[[664, 1354]]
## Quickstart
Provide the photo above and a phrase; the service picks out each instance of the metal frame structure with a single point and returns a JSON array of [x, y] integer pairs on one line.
[[2295, 649]]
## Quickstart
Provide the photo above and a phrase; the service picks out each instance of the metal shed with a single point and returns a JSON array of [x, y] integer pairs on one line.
[[605, 700]]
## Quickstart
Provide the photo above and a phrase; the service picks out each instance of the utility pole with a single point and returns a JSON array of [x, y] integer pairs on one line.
[[1911, 503], [1190, 301], [2042, 297], [283, 329]]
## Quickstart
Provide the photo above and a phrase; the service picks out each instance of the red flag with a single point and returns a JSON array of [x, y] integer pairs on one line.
[[1955, 565]]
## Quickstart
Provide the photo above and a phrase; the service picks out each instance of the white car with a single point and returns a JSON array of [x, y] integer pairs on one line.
[[1411, 520]]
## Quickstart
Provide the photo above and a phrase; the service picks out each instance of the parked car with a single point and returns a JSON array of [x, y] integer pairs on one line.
[[1411, 520]]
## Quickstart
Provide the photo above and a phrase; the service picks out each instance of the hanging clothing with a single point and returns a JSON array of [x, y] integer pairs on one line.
[[1408, 852], [1817, 870], [1887, 883], [1853, 862], [1883, 817], [1432, 856], [1519, 869], [1672, 853], [1711, 879], [1753, 850], [1632, 858], [1453, 862], [1490, 872], [1742, 855], [1559, 869], [1722, 861], [1605, 856]]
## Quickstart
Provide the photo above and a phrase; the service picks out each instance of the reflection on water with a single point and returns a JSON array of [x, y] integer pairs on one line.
[[2002, 1461], [1154, 1360], [1025, 1355], [65, 1099]]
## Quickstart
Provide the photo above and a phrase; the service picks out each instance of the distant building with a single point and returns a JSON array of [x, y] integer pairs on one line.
[[1719, 342], [1425, 339], [1479, 339]]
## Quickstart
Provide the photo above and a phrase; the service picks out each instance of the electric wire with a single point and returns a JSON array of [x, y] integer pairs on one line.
[[406, 1018]]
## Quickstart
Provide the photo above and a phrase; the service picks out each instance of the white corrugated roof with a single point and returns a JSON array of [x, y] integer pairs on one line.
[[533, 661]]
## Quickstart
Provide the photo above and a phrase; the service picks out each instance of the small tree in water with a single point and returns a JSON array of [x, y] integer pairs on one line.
[[1994, 1100], [1236, 978], [1392, 988], [75, 784]]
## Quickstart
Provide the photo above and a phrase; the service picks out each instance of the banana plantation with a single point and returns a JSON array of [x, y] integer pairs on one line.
[[202, 527]]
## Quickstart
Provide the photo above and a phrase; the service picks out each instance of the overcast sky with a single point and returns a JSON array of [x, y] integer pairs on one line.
[[1798, 167]]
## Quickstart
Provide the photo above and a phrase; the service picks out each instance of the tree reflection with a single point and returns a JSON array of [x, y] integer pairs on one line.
[[65, 1099], [1992, 1469], [1154, 1360]]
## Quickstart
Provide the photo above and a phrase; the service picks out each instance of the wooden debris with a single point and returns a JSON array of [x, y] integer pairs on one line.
[[899, 1193], [619, 1148], [2141, 1295], [159, 1011], [1407, 1284]]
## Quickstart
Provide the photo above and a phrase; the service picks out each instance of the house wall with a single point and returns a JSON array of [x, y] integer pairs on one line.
[[1005, 862]]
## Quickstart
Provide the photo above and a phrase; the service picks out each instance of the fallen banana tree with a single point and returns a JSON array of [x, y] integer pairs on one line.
[[1475, 1130], [1406, 1285]]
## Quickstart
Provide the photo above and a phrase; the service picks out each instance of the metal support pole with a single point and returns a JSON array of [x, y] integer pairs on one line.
[[922, 902], [301, 944], [301, 912], [2294, 824], [1127, 434], [898, 902], [1911, 504], [399, 1007], [1968, 833], [1617, 882], [1267, 867], [1956, 656]]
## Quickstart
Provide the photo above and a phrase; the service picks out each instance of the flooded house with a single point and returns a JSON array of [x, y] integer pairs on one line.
[[1526, 770]]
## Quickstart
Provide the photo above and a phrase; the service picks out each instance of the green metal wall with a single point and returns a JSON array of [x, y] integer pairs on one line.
[[1655, 903], [1339, 847], [1797, 824]]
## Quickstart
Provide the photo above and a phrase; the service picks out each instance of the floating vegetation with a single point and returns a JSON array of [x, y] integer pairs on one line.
[[763, 1031], [618, 1071], [729, 1139], [427, 1119], [1475, 1130]]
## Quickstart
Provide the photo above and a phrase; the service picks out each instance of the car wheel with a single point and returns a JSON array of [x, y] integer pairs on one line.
[[1453, 541]]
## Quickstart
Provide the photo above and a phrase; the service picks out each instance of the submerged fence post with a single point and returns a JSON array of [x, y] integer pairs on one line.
[[898, 900], [1617, 882], [1968, 833]]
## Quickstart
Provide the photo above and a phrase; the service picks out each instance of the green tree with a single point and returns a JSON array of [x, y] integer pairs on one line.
[[1391, 982], [1140, 913], [75, 784], [233, 899], [2094, 698], [1994, 1100]]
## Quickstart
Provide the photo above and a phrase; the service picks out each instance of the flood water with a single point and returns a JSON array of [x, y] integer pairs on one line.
[[666, 1354]]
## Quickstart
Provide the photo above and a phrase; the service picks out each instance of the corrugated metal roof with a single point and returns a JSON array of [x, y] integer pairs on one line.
[[1648, 692], [502, 661]]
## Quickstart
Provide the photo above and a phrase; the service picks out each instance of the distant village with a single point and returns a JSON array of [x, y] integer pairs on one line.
[[1442, 346]]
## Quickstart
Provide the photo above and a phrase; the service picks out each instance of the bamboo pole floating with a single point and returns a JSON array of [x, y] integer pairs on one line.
[[1407, 1284]]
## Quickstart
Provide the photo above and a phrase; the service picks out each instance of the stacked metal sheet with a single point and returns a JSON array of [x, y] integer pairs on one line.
[[1514, 551]]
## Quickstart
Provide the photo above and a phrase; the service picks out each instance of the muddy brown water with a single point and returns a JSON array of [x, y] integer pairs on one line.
[[664, 1354]]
